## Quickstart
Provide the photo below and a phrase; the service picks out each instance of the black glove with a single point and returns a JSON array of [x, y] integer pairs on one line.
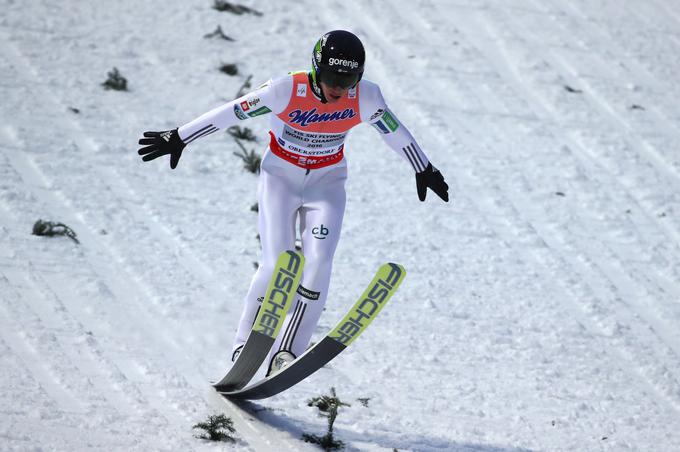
[[432, 178], [162, 143]]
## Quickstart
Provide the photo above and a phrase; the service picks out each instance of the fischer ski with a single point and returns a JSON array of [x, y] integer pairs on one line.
[[379, 291], [270, 317]]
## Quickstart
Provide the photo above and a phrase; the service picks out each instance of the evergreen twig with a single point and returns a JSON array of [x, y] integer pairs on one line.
[[241, 133], [251, 160], [364, 401], [217, 428], [115, 81], [328, 407], [245, 87], [569, 89], [218, 33], [229, 68], [51, 229], [225, 6]]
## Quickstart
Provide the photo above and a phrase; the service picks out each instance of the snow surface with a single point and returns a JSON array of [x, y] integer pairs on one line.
[[541, 307]]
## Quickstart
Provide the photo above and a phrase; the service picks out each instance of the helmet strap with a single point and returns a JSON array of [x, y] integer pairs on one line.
[[316, 86]]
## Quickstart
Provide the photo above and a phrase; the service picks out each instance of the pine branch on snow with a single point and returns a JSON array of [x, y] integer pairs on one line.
[[364, 401], [328, 407], [245, 87], [241, 133], [229, 68], [251, 160], [225, 6], [115, 81], [218, 33], [51, 229], [217, 428]]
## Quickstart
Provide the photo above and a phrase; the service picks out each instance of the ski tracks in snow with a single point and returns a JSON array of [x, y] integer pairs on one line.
[[589, 255], [629, 301], [608, 246], [103, 349]]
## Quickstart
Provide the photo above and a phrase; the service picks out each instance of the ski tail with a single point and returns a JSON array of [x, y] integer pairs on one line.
[[277, 301], [363, 312]]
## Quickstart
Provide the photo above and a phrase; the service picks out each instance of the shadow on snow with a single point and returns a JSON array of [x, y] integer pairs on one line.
[[381, 439]]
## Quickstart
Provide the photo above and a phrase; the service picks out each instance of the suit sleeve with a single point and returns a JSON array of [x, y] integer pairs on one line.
[[273, 96], [374, 110]]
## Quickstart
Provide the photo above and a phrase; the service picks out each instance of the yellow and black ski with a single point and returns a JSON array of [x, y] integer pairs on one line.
[[378, 292], [277, 300]]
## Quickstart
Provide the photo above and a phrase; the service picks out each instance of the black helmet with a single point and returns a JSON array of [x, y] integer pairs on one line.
[[338, 59]]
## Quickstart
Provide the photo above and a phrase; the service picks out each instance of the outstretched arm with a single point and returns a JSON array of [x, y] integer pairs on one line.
[[400, 140], [272, 96]]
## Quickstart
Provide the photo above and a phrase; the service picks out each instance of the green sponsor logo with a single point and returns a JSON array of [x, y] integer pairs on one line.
[[259, 112], [390, 121]]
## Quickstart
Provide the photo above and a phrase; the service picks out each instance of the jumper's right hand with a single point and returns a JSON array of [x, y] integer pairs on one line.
[[157, 144], [431, 178]]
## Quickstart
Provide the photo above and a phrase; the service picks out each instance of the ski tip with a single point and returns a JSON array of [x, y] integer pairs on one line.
[[293, 260], [396, 270]]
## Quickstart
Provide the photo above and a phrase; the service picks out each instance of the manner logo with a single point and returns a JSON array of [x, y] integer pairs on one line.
[[304, 118]]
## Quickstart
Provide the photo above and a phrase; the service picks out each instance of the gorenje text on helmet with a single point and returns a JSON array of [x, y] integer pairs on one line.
[[346, 63]]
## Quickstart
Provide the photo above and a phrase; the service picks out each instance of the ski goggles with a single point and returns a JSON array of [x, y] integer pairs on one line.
[[342, 80]]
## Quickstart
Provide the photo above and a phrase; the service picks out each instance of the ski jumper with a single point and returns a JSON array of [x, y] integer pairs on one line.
[[302, 177]]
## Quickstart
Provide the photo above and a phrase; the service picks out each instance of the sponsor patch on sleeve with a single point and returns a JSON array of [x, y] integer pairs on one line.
[[239, 113], [253, 101], [376, 114], [390, 121], [386, 123], [260, 111], [380, 127]]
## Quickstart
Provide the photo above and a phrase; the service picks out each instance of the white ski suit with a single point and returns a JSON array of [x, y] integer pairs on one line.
[[303, 175]]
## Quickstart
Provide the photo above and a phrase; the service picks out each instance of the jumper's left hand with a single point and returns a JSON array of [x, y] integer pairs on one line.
[[433, 179]]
